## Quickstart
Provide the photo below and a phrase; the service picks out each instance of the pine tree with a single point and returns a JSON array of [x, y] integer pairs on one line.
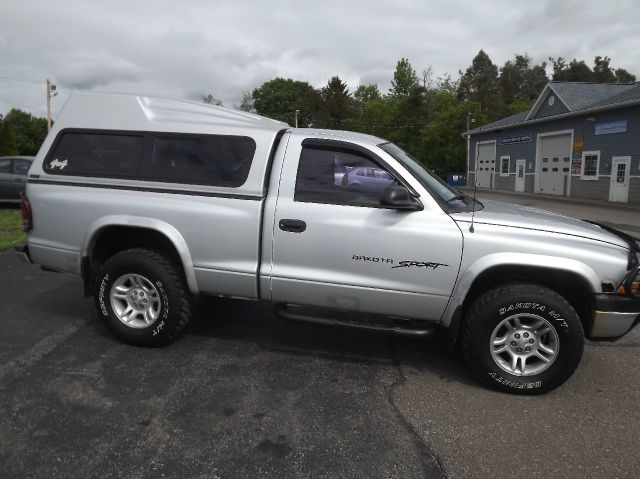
[[336, 99], [404, 79], [480, 83]]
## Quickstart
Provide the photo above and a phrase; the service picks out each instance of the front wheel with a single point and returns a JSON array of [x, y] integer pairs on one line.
[[142, 297], [522, 338]]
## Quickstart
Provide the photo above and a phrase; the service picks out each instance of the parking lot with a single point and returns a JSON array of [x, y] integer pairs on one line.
[[245, 394]]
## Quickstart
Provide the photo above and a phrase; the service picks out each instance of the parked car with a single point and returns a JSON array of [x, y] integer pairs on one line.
[[13, 177], [153, 201], [368, 180]]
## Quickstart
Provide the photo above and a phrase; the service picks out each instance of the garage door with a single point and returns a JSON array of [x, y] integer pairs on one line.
[[554, 164], [486, 164]]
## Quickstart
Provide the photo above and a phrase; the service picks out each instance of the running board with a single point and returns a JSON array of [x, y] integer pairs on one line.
[[369, 322]]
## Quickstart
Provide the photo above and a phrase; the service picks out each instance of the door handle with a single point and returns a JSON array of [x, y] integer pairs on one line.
[[294, 226]]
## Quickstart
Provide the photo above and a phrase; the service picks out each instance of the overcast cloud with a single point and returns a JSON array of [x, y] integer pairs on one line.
[[183, 49]]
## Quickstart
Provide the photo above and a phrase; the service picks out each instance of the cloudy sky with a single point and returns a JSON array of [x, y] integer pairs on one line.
[[183, 49]]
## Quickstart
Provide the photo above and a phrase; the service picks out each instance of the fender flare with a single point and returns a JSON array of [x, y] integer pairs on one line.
[[473, 271], [172, 234]]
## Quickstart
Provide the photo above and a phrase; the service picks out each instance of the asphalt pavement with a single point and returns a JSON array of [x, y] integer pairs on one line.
[[242, 394], [245, 394]]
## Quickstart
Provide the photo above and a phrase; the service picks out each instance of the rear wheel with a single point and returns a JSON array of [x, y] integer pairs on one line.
[[142, 297], [522, 338]]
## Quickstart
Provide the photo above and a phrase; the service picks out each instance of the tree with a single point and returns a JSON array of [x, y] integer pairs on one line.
[[519, 105], [30, 131], [575, 71], [366, 93], [427, 77], [280, 98], [336, 101], [8, 146], [246, 104], [602, 72], [579, 71], [446, 83], [368, 110], [211, 100], [479, 83], [444, 148], [521, 80], [623, 76], [376, 118], [404, 79]]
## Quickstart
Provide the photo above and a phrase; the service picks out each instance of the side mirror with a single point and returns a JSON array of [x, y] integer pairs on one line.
[[399, 198]]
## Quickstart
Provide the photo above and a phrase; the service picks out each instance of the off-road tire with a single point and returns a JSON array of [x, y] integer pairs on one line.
[[175, 298], [495, 305]]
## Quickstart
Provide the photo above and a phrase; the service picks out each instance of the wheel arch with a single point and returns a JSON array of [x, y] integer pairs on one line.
[[572, 279], [104, 239]]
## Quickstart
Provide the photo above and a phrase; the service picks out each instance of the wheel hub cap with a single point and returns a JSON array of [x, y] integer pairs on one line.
[[524, 344], [135, 301]]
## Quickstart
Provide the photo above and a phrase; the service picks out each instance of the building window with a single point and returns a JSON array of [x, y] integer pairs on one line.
[[590, 165], [504, 165]]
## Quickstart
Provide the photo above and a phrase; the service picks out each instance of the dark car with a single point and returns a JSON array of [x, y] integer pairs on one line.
[[13, 177], [367, 179]]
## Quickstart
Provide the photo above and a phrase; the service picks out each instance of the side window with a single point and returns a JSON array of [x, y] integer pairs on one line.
[[590, 165], [340, 177], [210, 160], [504, 165], [5, 166], [95, 154], [21, 167]]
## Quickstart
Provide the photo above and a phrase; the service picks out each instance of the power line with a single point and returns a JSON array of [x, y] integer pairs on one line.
[[20, 80]]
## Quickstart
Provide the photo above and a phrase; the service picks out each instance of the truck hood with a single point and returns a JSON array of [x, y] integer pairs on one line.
[[516, 216]]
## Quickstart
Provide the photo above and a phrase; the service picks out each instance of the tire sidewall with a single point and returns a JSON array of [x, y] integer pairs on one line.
[[153, 334], [558, 314]]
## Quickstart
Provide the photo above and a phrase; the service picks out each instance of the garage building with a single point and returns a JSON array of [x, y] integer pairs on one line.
[[578, 139]]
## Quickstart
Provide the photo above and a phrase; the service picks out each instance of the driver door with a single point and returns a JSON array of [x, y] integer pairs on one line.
[[335, 246]]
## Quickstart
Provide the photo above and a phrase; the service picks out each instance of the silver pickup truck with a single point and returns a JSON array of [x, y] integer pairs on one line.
[[153, 201]]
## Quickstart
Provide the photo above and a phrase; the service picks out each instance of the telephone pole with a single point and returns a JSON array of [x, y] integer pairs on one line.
[[51, 92]]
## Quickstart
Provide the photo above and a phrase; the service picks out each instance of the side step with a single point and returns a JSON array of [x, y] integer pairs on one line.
[[348, 319]]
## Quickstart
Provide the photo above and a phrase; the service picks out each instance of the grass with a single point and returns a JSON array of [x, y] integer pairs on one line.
[[10, 229]]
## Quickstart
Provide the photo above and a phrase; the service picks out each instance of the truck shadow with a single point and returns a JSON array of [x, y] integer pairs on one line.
[[255, 322]]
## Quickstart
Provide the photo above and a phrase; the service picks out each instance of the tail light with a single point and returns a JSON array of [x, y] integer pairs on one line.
[[27, 216]]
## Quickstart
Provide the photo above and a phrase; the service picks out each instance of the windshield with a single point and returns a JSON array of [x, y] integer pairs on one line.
[[450, 199]]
